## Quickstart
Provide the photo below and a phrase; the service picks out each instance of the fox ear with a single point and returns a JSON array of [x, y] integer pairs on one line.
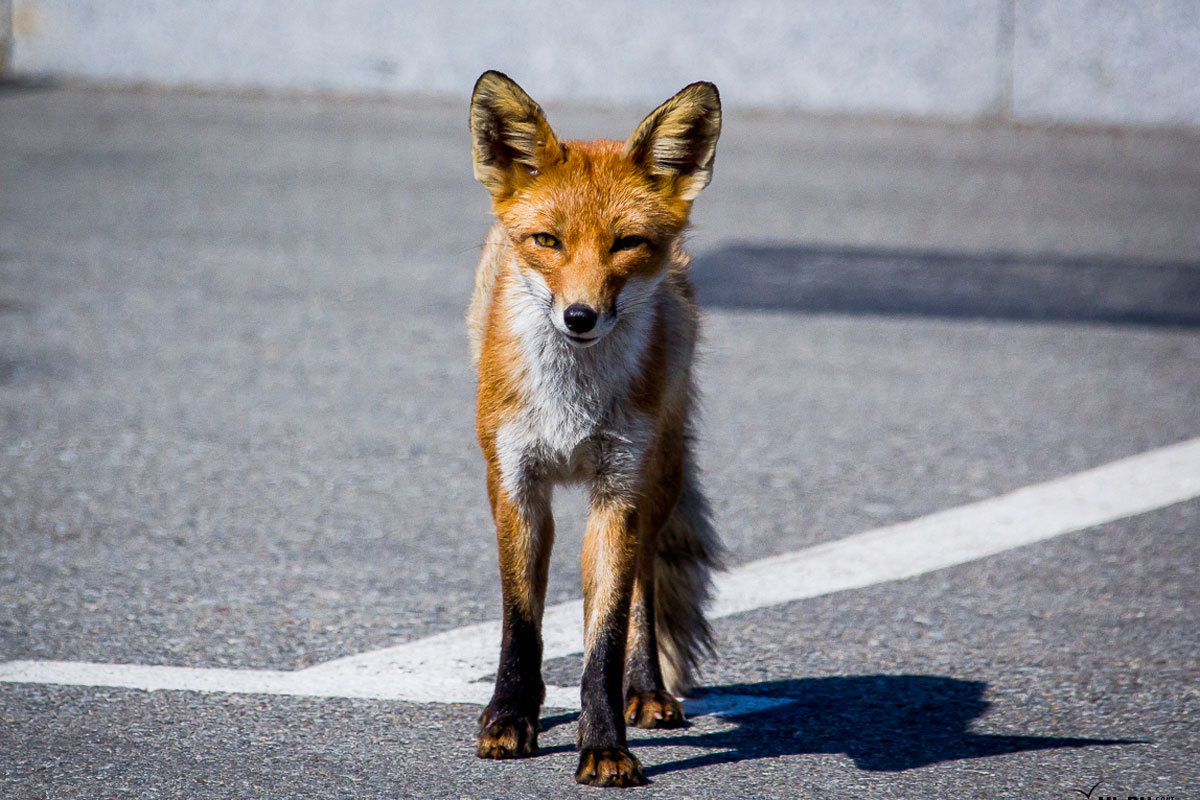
[[511, 139], [677, 141]]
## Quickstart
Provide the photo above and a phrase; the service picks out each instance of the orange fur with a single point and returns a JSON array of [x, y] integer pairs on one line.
[[583, 329]]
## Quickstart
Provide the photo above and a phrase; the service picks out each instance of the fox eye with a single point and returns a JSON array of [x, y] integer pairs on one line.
[[628, 243], [545, 240]]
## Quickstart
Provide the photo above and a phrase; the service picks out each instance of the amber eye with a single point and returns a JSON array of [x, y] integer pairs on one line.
[[629, 243], [545, 240]]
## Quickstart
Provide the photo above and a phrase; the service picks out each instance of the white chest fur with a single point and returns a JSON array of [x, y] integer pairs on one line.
[[576, 421]]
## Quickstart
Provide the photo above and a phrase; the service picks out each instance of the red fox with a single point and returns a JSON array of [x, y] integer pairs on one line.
[[583, 328]]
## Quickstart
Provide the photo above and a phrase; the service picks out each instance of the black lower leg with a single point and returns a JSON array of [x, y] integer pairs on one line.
[[519, 677], [509, 725], [600, 723], [642, 671], [604, 757]]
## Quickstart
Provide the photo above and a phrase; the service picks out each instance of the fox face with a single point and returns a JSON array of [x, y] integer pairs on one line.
[[592, 224]]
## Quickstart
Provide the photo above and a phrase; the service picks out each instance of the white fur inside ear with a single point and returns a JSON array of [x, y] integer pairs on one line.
[[510, 135]]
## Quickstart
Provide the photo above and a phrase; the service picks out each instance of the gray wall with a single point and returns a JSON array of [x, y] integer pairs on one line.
[[1095, 61], [5, 35]]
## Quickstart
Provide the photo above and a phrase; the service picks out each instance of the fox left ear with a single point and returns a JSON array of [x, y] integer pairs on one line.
[[511, 139], [678, 140]]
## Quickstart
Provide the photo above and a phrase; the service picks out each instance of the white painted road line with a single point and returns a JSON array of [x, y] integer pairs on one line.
[[449, 667]]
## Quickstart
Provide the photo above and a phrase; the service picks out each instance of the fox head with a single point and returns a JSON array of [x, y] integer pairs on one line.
[[593, 224]]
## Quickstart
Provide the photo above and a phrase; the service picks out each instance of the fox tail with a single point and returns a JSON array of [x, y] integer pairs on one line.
[[687, 552]]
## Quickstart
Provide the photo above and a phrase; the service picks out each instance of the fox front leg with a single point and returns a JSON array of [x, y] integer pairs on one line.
[[508, 727], [609, 557]]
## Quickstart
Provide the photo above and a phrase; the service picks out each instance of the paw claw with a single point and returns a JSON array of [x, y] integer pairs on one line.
[[609, 766], [653, 709], [506, 736]]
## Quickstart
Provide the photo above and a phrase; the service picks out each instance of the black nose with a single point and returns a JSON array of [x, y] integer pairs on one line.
[[579, 318]]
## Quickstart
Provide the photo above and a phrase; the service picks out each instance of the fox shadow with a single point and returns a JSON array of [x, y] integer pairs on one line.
[[884, 723]]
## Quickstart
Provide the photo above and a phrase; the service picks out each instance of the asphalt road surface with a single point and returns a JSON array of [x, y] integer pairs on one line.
[[236, 415]]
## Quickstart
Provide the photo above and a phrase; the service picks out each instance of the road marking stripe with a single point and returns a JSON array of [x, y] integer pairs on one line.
[[449, 667]]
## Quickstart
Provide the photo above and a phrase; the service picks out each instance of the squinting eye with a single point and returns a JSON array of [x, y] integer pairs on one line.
[[545, 240], [628, 243]]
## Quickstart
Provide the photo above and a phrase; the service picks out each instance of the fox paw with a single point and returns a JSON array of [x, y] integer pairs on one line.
[[609, 766], [653, 709], [506, 736]]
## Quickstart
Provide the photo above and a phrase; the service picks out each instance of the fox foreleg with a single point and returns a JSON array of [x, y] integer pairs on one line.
[[609, 562], [509, 725]]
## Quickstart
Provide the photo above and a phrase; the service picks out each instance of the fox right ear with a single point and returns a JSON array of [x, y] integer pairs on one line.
[[511, 139]]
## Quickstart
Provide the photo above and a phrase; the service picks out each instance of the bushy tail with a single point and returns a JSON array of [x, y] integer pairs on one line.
[[687, 552]]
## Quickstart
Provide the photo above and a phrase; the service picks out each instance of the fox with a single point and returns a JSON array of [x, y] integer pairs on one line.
[[583, 330]]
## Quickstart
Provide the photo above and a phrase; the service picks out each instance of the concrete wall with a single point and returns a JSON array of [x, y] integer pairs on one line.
[[5, 35], [1136, 61], [1107, 61]]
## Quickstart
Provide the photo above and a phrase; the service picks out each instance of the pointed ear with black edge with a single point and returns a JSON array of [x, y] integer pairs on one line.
[[511, 139], [676, 143]]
